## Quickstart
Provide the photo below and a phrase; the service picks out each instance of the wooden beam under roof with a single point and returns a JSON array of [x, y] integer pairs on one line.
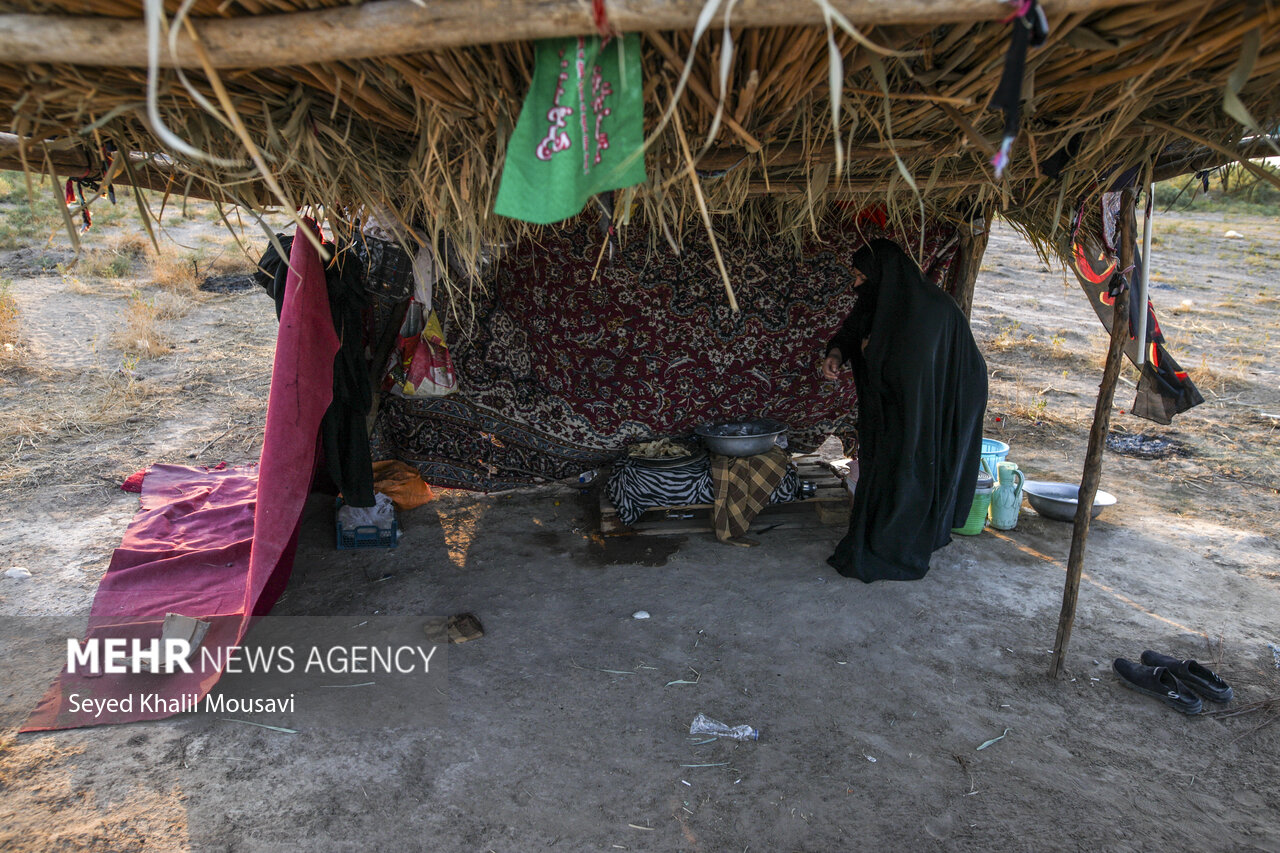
[[397, 27]]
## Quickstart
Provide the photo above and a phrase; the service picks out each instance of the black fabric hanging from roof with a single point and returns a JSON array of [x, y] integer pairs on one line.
[[343, 431]]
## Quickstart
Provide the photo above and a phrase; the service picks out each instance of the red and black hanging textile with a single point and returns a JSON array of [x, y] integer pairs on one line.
[[1164, 389], [560, 365]]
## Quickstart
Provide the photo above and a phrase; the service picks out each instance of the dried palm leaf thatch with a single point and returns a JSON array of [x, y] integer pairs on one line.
[[1156, 85]]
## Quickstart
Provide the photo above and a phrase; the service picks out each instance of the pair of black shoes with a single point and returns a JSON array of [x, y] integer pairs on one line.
[[1178, 683]]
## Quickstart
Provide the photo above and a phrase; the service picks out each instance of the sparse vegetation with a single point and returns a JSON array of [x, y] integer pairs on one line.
[[75, 284], [169, 305], [1230, 189], [175, 271], [142, 335], [23, 225], [107, 264], [9, 339], [1007, 336], [182, 272]]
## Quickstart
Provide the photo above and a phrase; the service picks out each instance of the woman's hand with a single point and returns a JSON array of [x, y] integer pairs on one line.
[[831, 364]]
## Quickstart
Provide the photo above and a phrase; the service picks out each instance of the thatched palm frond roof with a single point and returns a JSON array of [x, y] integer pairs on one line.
[[423, 132]]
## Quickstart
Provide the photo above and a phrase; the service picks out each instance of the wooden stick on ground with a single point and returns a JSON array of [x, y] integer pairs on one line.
[[1097, 441]]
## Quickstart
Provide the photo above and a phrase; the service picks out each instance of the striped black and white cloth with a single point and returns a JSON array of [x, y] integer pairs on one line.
[[636, 487]]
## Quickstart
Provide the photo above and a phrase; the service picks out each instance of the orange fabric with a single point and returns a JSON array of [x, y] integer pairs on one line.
[[401, 482]]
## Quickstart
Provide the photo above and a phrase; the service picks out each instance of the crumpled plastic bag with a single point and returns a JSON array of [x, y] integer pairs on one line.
[[381, 515], [420, 364]]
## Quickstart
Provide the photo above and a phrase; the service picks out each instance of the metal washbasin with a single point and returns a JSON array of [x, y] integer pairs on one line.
[[741, 438], [1058, 500]]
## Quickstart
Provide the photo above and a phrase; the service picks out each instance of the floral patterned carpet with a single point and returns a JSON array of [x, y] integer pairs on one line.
[[559, 371]]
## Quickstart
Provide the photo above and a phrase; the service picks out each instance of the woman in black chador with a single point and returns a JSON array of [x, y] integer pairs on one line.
[[922, 393]]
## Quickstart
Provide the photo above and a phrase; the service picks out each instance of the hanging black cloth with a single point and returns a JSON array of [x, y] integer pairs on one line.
[[344, 433], [272, 272], [1030, 29], [922, 394], [344, 428]]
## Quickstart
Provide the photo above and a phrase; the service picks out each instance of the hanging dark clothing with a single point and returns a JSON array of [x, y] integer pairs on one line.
[[344, 432], [922, 395]]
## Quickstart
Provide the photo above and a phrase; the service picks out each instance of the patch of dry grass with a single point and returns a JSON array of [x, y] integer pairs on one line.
[[171, 306], [75, 411], [182, 272], [108, 263], [142, 335], [1221, 381], [77, 285], [1019, 402], [1007, 337], [175, 271], [229, 259], [129, 242], [9, 327]]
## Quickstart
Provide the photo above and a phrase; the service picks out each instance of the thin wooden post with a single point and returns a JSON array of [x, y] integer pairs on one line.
[[972, 247], [1097, 441]]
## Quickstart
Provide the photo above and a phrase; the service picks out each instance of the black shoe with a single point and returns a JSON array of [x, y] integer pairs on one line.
[[1159, 682], [1202, 680]]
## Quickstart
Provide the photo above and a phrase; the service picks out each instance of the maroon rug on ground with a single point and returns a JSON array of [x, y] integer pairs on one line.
[[214, 545], [560, 365]]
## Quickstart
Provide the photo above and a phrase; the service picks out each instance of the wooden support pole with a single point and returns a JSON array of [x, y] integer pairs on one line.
[[1197, 159], [1225, 150], [147, 178], [972, 247], [1097, 441], [398, 27]]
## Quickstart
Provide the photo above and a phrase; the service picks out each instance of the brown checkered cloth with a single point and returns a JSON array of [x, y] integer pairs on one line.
[[742, 486]]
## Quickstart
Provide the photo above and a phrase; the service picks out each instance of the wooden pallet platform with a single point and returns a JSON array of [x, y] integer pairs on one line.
[[829, 505]]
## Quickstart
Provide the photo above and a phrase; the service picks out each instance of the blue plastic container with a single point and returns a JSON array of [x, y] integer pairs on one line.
[[993, 453], [364, 536]]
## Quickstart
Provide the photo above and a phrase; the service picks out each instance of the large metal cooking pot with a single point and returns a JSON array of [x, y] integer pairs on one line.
[[741, 438]]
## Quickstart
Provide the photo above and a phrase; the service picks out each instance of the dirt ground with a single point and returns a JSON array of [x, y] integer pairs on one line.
[[567, 724]]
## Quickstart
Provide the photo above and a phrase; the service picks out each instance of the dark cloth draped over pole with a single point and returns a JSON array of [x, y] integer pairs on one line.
[[922, 394], [1164, 388]]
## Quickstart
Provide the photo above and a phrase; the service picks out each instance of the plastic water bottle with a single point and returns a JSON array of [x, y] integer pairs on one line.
[[704, 725]]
